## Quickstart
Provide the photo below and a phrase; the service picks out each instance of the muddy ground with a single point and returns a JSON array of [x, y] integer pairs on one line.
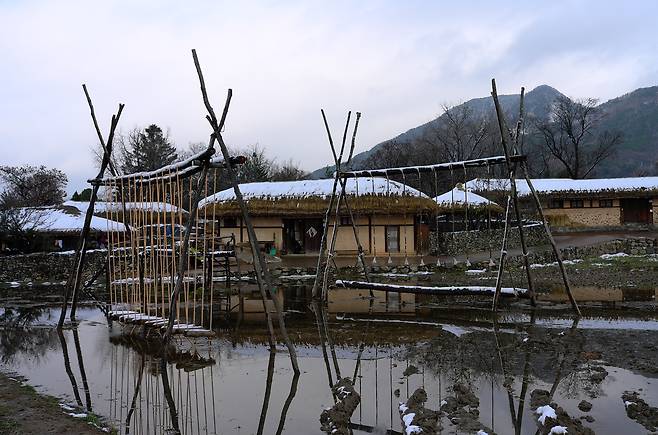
[[24, 411]]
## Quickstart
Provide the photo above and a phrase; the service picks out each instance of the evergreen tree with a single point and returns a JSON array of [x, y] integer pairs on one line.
[[75, 196], [146, 150]]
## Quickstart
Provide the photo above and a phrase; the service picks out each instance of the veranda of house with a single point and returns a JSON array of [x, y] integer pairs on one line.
[[288, 216], [604, 202]]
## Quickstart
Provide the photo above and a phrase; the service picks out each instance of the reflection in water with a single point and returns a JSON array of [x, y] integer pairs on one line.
[[389, 346]]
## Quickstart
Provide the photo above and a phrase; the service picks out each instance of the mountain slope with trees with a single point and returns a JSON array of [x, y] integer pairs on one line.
[[632, 120]]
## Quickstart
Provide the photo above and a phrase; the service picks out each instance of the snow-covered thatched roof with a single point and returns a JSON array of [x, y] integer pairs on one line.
[[459, 197], [117, 207], [546, 186], [311, 196], [62, 219]]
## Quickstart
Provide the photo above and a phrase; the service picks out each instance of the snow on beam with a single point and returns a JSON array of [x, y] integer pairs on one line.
[[415, 170], [440, 291]]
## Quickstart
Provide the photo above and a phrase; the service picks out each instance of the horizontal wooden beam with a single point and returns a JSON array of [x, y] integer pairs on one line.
[[449, 166]]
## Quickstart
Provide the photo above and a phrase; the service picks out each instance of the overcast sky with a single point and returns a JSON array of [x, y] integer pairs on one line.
[[395, 61]]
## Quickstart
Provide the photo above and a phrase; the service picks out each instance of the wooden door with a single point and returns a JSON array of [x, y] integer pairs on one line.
[[312, 235], [636, 211]]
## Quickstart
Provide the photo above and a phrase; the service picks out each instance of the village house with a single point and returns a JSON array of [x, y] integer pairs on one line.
[[603, 202], [54, 228], [390, 217], [461, 209]]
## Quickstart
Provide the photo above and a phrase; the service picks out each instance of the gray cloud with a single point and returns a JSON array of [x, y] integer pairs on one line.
[[394, 61]]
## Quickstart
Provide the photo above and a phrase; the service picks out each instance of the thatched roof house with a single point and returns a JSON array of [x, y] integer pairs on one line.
[[461, 197], [56, 227], [289, 215], [601, 202], [311, 197]]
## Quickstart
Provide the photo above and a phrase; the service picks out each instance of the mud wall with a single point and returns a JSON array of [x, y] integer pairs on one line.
[[462, 242]]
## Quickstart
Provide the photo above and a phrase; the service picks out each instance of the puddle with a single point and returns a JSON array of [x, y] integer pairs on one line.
[[233, 384]]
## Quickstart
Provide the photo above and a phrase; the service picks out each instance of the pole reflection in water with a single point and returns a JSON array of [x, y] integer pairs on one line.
[[166, 393]]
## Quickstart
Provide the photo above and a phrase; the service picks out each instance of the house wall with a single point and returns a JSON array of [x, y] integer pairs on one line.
[[590, 215], [372, 233], [267, 229]]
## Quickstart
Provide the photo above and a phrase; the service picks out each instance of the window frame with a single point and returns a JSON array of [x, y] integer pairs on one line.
[[573, 203], [606, 203], [386, 238], [556, 203]]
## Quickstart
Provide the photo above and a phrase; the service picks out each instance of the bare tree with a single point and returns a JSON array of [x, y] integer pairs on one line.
[[24, 190], [31, 186], [288, 171], [391, 155], [458, 134], [571, 136]]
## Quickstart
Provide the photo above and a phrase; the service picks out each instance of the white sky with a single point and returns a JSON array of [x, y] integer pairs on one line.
[[395, 61]]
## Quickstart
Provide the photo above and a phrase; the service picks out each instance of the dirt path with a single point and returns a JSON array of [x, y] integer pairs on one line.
[[24, 411]]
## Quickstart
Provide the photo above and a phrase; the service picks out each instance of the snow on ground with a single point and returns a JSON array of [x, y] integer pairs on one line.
[[475, 271], [613, 256], [554, 264]]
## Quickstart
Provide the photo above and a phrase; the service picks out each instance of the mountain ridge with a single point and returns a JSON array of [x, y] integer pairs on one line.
[[635, 114]]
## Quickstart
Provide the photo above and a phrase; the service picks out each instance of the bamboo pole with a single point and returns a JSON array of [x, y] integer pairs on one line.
[[260, 267]]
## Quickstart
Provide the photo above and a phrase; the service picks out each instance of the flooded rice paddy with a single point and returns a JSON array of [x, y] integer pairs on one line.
[[484, 375]]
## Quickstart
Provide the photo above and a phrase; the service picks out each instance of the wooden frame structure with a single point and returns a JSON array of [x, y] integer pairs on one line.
[[511, 160], [174, 264]]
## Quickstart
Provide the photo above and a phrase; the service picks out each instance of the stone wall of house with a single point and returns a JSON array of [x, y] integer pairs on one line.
[[584, 217], [462, 242], [41, 266]]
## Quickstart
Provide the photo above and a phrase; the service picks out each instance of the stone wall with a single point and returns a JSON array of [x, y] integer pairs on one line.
[[631, 246], [40, 266], [462, 242]]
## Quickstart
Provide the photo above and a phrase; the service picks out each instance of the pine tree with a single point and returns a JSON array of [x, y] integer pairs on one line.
[[146, 150]]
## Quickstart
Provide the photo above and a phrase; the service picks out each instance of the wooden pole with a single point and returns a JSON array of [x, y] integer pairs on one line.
[[511, 169], [81, 250], [322, 263], [260, 267]]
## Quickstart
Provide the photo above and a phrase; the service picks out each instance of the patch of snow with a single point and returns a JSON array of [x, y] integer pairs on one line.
[[475, 271], [545, 412], [80, 415], [413, 429], [558, 430], [408, 418], [613, 256], [627, 403], [459, 196], [481, 432], [443, 402], [555, 264]]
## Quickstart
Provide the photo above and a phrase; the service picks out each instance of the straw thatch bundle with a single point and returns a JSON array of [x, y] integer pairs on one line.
[[311, 198]]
